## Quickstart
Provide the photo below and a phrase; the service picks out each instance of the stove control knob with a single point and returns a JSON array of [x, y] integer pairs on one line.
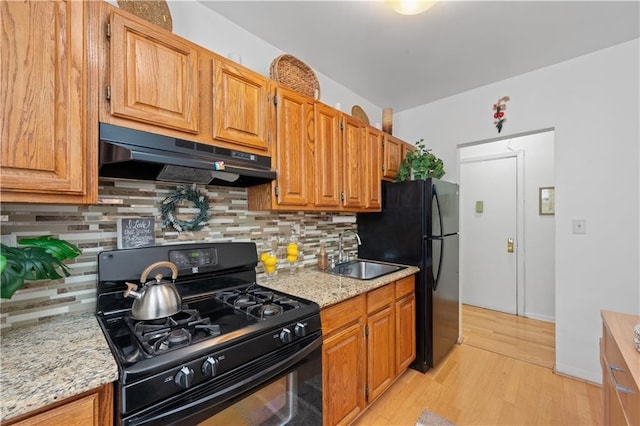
[[285, 335], [210, 367], [300, 329], [184, 377]]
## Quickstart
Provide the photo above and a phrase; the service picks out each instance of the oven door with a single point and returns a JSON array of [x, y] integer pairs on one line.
[[281, 388]]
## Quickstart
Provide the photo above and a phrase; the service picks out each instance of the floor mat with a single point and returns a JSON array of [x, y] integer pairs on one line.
[[427, 418]]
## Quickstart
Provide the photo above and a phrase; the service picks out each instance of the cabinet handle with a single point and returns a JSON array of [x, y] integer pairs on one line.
[[619, 388]]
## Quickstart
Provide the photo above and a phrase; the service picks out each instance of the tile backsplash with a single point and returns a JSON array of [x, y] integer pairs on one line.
[[93, 229]]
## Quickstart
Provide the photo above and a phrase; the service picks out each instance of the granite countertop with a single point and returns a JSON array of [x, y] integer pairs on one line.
[[52, 361], [327, 289], [68, 355]]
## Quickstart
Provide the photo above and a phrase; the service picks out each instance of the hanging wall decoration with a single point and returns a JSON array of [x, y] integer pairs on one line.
[[189, 194], [498, 115]]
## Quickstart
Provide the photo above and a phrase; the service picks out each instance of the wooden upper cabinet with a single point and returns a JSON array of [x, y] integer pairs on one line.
[[328, 157], [354, 157], [294, 148], [153, 75], [48, 150], [393, 156], [374, 152], [241, 105]]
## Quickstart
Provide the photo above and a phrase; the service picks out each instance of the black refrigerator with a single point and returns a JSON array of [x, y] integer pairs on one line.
[[418, 226]]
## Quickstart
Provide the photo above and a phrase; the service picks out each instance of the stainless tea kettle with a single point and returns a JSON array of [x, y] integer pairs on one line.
[[156, 299]]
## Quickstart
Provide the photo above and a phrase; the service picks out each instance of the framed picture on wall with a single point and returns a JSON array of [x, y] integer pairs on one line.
[[547, 200]]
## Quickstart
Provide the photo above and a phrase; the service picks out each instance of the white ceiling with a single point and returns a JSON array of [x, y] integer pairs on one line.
[[404, 61]]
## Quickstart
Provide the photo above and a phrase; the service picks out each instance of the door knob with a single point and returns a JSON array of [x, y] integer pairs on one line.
[[510, 245]]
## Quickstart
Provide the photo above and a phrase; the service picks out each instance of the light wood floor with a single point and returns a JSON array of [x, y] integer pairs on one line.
[[517, 337], [476, 386]]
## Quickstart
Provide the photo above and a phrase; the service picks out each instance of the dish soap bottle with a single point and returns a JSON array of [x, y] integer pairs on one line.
[[323, 259]]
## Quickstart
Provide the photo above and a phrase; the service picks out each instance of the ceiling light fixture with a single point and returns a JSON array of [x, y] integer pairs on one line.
[[409, 7]]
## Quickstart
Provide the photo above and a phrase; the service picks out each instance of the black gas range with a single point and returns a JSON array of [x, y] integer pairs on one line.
[[232, 340]]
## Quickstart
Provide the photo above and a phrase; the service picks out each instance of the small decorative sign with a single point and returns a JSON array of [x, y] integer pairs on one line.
[[134, 232]]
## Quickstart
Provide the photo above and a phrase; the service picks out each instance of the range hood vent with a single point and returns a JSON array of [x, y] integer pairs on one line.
[[134, 154]]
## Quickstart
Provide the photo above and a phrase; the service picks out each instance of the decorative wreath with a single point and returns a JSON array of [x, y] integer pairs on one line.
[[190, 194]]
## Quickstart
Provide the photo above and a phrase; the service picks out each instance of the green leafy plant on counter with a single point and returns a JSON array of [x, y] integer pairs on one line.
[[40, 259], [420, 164]]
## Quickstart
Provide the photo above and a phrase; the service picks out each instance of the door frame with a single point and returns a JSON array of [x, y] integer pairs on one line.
[[519, 238]]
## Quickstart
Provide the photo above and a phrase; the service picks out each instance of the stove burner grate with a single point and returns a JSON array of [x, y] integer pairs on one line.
[[178, 330], [257, 302]]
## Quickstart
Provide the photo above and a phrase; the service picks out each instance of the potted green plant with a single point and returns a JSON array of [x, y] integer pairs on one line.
[[40, 259], [420, 164]]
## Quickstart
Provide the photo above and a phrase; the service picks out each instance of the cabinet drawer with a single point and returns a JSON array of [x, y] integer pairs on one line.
[[405, 286], [617, 371], [379, 298], [341, 314]]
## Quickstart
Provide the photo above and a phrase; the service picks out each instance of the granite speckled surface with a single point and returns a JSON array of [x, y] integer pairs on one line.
[[52, 361], [68, 355], [326, 289]]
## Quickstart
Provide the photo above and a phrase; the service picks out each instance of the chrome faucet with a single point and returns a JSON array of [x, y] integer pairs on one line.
[[342, 256]]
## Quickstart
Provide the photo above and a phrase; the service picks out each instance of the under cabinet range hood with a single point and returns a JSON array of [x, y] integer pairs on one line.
[[133, 154]]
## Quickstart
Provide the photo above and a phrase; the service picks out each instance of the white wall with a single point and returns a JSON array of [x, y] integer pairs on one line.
[[592, 102], [538, 238]]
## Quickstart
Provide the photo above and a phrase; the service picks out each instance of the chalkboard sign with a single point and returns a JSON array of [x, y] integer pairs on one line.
[[134, 232]]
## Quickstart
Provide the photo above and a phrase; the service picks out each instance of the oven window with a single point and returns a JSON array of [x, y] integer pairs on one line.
[[273, 404]]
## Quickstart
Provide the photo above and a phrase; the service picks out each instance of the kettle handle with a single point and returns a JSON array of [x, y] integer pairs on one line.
[[170, 265]]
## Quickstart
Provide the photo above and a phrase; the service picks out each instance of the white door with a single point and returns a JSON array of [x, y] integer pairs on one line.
[[488, 226]]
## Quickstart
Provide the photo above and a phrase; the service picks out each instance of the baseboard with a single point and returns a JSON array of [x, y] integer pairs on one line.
[[545, 318], [578, 374]]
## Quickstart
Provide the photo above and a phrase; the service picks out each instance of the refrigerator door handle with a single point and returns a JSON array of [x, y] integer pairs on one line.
[[440, 238], [436, 279]]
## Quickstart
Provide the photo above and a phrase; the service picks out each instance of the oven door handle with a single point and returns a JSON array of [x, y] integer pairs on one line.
[[187, 411]]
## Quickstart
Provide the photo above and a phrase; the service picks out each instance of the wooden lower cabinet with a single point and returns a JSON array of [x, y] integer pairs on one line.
[[405, 306], [620, 369], [380, 334], [93, 408], [343, 361], [369, 340]]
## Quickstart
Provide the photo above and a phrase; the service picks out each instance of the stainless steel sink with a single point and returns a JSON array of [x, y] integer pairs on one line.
[[363, 269]]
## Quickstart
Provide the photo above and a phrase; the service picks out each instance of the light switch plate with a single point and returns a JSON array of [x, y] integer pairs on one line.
[[479, 206], [9, 240], [579, 226]]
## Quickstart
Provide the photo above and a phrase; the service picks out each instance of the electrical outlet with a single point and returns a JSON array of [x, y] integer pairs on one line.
[[9, 240], [579, 226]]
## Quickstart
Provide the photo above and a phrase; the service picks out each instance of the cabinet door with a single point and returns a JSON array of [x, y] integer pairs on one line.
[[241, 105], [380, 351], [374, 169], [392, 156], [91, 408], [154, 75], [405, 332], [328, 157], [294, 148], [49, 153], [343, 355], [353, 164]]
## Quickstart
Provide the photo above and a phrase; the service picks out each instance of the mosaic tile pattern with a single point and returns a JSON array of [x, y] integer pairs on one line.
[[93, 229]]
